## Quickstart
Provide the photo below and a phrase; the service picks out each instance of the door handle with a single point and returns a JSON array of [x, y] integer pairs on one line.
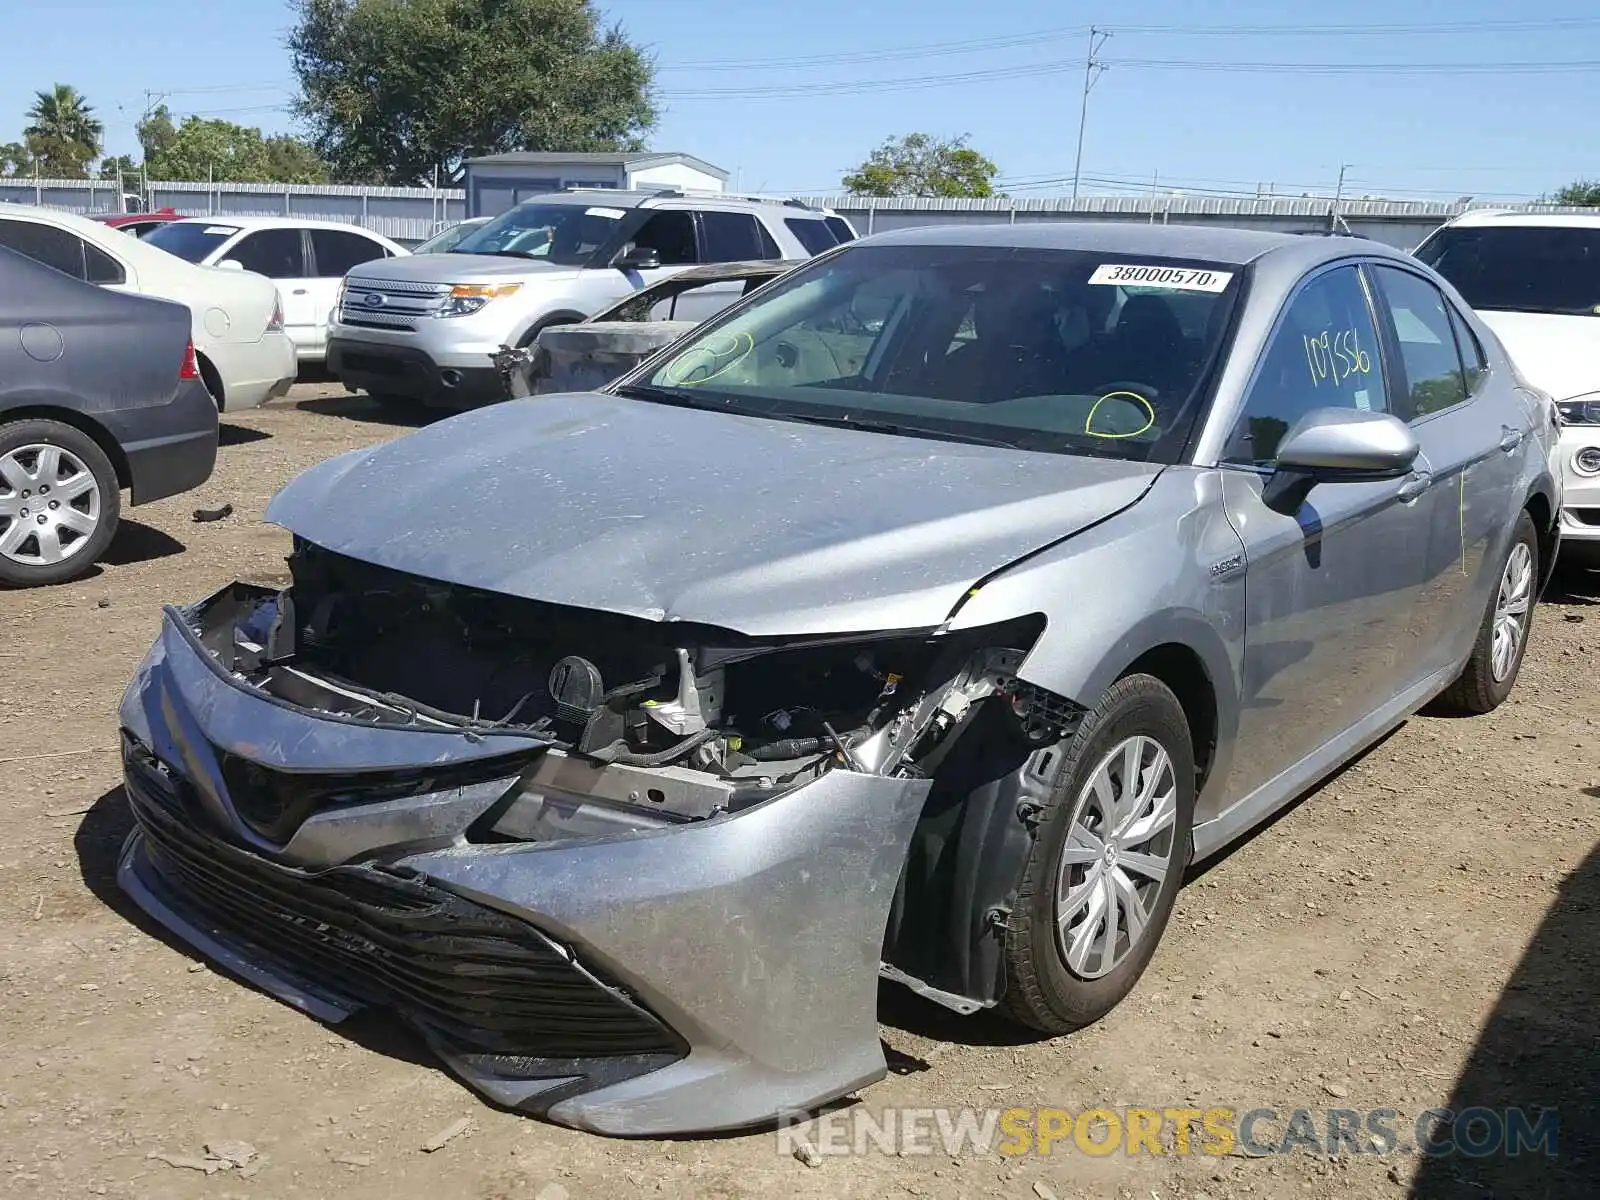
[[299, 291], [1511, 440], [1413, 487]]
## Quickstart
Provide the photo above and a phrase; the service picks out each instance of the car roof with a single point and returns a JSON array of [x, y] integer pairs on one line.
[[1481, 218], [245, 222], [1219, 244]]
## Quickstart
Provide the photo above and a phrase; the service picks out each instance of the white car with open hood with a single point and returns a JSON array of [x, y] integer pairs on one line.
[[245, 357]]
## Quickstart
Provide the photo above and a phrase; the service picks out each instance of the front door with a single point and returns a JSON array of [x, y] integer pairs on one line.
[[334, 254], [280, 255], [1329, 587]]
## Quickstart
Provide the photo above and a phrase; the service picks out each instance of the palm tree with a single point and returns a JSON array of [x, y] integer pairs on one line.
[[63, 134]]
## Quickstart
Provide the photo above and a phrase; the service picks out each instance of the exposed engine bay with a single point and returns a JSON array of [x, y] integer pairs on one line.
[[629, 723]]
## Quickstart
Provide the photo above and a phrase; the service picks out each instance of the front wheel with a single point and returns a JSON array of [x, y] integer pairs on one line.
[[1105, 868], [1496, 660], [59, 502]]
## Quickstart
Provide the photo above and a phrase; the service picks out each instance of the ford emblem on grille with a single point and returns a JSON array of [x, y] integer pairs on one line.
[[373, 300]]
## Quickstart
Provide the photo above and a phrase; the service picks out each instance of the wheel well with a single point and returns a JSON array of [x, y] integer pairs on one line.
[[1538, 507], [564, 317], [102, 438], [210, 376], [1180, 668]]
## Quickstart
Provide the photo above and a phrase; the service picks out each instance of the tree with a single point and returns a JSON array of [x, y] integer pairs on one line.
[[156, 131], [202, 149], [921, 165], [290, 160], [15, 159], [1583, 194], [399, 89], [122, 164], [63, 133]]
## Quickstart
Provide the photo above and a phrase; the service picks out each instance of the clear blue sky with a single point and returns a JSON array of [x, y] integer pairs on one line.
[[1494, 114]]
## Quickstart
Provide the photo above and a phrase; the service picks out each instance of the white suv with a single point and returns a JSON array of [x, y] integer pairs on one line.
[[424, 327], [1535, 281]]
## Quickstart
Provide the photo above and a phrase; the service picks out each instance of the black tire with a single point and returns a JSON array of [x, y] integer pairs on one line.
[[1476, 690], [87, 547], [1041, 989]]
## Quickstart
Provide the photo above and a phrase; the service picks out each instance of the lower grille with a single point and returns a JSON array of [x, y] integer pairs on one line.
[[480, 980], [1587, 516]]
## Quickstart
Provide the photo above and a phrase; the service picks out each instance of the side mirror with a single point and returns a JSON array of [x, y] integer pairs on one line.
[[640, 258], [1332, 445], [232, 264]]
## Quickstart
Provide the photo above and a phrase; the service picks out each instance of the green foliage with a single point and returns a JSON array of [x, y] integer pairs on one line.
[[202, 149], [15, 159], [1585, 193], [122, 164], [397, 89], [921, 165], [156, 132], [62, 134]]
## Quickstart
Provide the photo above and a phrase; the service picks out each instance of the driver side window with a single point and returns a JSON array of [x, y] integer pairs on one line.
[[1324, 354]]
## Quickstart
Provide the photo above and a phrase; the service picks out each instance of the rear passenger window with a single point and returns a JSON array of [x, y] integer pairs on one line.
[[814, 235], [842, 232], [731, 237], [1323, 355], [338, 253], [44, 243], [1428, 355], [1473, 361]]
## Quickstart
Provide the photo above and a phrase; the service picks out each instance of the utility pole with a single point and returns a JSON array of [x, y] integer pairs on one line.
[[1092, 70]]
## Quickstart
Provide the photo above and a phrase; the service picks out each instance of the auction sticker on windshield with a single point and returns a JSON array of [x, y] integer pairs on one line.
[[1183, 279], [615, 214]]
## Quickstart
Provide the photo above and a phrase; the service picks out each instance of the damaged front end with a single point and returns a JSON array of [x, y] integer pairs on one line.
[[632, 875]]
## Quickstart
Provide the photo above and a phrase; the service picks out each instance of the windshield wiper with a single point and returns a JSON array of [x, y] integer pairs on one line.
[[874, 425], [659, 395]]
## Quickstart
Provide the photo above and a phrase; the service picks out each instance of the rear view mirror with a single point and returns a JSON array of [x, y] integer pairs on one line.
[[1330, 445], [232, 264], [640, 258]]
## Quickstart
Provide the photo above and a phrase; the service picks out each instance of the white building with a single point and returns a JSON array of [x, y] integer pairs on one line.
[[495, 182]]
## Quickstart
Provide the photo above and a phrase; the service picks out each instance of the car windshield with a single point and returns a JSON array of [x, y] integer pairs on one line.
[[448, 239], [568, 234], [1059, 350], [1520, 268], [191, 240]]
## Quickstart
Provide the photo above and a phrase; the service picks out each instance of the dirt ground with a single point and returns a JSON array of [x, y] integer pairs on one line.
[[1421, 931]]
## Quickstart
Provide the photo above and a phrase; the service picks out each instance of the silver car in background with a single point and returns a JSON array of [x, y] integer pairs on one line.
[[924, 615]]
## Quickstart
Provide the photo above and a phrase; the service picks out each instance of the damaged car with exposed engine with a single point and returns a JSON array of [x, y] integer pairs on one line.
[[922, 617]]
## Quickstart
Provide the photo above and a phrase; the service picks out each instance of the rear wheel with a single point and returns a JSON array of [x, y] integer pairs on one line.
[[1496, 660], [1105, 869], [59, 502]]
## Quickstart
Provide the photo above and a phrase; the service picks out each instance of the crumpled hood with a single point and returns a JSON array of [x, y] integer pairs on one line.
[[760, 526], [460, 268], [1557, 353]]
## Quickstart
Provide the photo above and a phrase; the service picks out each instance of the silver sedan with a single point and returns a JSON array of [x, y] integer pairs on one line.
[[924, 615]]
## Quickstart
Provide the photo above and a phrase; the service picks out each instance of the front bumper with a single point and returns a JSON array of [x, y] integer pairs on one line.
[[705, 976], [408, 371], [1580, 511]]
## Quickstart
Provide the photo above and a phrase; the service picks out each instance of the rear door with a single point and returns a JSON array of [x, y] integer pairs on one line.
[[725, 237], [334, 254], [280, 255], [1329, 588], [1471, 428]]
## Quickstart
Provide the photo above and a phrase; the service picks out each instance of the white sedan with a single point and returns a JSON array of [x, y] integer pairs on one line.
[[307, 259], [245, 358]]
